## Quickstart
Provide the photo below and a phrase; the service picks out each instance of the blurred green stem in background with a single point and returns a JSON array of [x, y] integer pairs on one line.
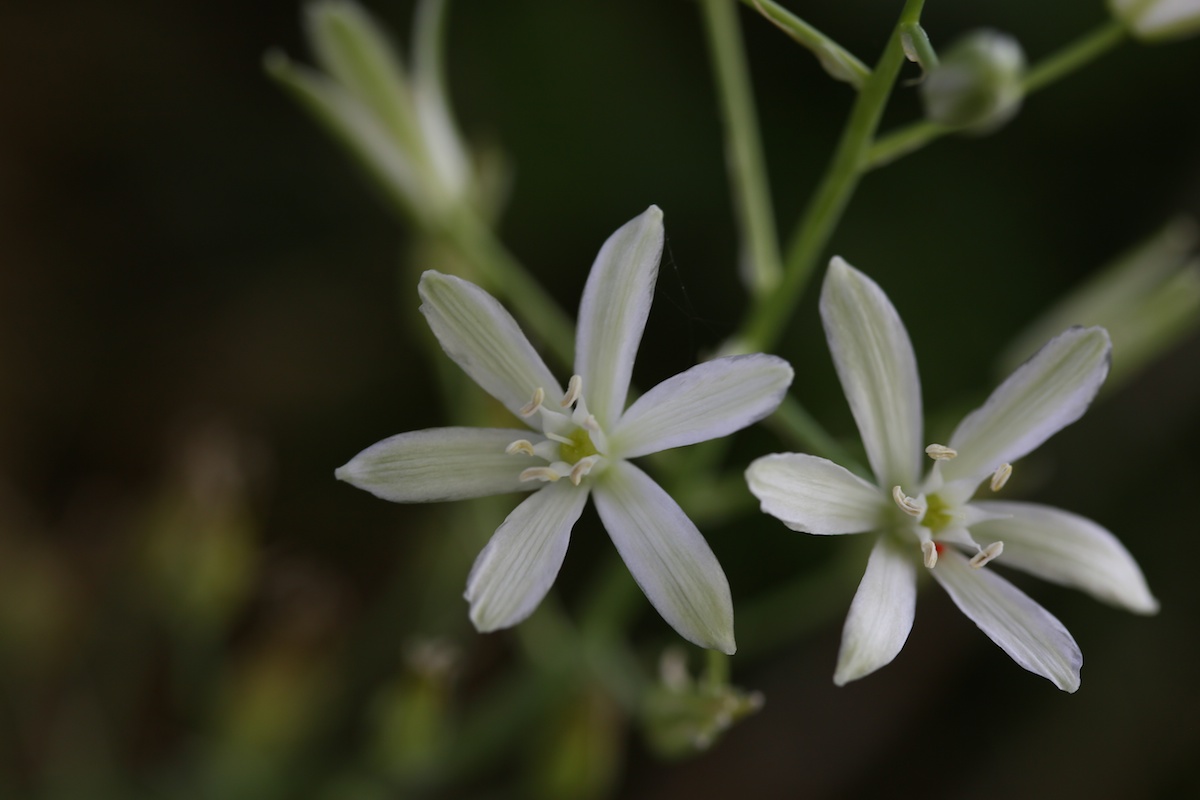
[[835, 59], [769, 314], [759, 262], [1066, 61]]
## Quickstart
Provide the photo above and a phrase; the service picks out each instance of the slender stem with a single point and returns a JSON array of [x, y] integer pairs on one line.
[[760, 261], [717, 673], [507, 277], [770, 313], [792, 421], [1071, 58]]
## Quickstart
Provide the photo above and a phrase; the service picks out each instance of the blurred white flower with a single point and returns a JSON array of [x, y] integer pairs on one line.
[[579, 443], [395, 120], [1157, 20], [932, 520]]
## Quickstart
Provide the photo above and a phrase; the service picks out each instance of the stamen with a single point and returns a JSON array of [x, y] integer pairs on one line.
[[582, 467], [574, 389], [929, 550], [539, 474], [907, 504], [1001, 476], [987, 554], [522, 446], [527, 410], [556, 437], [939, 452]]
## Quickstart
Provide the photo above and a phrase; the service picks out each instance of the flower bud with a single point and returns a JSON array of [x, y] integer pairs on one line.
[[977, 85], [1158, 20]]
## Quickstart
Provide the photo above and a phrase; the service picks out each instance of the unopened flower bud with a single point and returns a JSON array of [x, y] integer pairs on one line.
[[1158, 20], [977, 85]]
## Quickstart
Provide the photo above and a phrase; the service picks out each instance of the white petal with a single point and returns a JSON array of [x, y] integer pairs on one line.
[[1030, 634], [440, 464], [708, 401], [482, 338], [881, 615], [815, 495], [667, 555], [613, 312], [878, 371], [520, 563], [1046, 393], [1067, 549]]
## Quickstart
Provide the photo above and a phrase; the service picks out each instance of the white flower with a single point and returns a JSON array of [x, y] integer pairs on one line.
[[579, 443], [396, 120], [931, 520], [1155, 20]]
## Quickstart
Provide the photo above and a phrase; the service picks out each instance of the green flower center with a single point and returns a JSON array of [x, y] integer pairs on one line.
[[937, 514], [579, 446]]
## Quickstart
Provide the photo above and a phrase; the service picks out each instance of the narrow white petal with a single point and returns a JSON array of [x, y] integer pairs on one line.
[[482, 338], [881, 615], [708, 401], [518, 566], [1030, 634], [1046, 393], [613, 311], [667, 555], [1067, 549], [815, 495], [878, 370], [440, 464]]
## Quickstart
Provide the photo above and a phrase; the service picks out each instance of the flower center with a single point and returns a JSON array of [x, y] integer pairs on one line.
[[938, 518], [574, 445]]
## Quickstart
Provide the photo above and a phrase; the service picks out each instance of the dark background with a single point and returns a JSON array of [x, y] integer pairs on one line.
[[191, 270]]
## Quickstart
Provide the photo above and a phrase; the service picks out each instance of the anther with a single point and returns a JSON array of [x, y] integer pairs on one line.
[[939, 452], [582, 467], [539, 474], [527, 410], [522, 446], [574, 389], [1001, 476], [906, 503], [987, 554], [929, 550]]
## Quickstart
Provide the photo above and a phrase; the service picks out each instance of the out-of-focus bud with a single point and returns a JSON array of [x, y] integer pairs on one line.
[[1148, 300], [412, 715], [579, 756], [977, 84], [1158, 20], [396, 122], [200, 550], [683, 716]]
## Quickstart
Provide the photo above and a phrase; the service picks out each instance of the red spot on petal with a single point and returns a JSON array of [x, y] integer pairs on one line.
[[940, 548]]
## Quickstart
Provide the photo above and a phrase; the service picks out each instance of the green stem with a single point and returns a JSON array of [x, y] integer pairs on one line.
[[507, 277], [761, 263], [1071, 58], [770, 313], [792, 421]]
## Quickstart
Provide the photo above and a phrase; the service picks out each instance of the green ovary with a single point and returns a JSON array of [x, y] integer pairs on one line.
[[937, 514], [580, 447]]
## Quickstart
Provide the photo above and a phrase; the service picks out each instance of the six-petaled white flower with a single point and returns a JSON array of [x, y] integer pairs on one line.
[[931, 520], [579, 443]]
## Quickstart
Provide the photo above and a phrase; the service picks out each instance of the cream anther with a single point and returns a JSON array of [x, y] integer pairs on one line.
[[1001, 476], [522, 446], [582, 467], [929, 551], [539, 474], [907, 504], [539, 395], [987, 554], [574, 389], [939, 452]]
